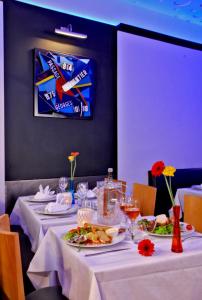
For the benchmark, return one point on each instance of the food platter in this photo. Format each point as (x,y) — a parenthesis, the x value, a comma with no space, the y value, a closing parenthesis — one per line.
(115,241)
(94,236)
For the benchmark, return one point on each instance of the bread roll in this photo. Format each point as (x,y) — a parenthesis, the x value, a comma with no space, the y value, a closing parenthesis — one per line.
(162,219)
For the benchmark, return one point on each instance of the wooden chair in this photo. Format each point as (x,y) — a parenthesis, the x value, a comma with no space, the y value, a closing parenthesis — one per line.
(4,222)
(11,279)
(147,197)
(193,211)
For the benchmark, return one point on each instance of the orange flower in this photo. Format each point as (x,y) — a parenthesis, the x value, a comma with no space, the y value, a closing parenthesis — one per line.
(74,154)
(146,247)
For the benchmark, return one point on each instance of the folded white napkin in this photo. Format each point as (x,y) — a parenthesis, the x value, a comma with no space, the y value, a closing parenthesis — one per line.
(56,207)
(91,194)
(44,193)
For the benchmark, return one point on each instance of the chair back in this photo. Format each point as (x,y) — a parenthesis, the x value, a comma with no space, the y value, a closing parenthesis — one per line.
(4,222)
(147,197)
(11,279)
(193,211)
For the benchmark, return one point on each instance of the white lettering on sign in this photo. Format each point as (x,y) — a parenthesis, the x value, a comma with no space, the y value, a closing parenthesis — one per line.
(69,84)
(49,95)
(53,69)
(59,106)
(67,67)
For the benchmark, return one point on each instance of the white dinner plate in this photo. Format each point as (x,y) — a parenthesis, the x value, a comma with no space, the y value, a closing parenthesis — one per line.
(68,211)
(117,239)
(41,200)
(184,231)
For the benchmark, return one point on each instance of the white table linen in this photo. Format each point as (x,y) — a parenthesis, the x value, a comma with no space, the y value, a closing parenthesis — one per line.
(118,275)
(179,197)
(33,224)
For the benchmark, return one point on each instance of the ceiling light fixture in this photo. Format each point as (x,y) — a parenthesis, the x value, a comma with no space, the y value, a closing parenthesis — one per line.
(67,31)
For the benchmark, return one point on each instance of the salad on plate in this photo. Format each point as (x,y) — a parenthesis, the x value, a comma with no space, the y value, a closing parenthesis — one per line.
(163,226)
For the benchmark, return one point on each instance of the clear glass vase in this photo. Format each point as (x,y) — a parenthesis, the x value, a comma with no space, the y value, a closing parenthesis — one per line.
(176,240)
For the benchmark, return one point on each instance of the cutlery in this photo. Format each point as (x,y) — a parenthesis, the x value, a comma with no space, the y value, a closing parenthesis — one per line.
(107,251)
(53,218)
(191,237)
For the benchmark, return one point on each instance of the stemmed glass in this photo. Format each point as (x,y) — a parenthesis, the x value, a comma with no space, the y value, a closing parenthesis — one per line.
(63,183)
(132,210)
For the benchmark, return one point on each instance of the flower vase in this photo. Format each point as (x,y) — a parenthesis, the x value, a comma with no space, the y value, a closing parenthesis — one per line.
(71,189)
(176,240)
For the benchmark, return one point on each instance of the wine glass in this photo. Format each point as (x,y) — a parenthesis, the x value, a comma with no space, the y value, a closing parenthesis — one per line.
(63,183)
(132,210)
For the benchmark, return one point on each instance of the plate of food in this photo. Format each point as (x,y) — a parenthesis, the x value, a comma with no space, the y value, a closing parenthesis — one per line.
(94,236)
(162,226)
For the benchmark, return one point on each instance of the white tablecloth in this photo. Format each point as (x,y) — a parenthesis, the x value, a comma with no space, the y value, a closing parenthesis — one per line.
(35,225)
(179,197)
(119,275)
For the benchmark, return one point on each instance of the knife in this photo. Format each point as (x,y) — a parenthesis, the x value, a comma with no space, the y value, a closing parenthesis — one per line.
(107,251)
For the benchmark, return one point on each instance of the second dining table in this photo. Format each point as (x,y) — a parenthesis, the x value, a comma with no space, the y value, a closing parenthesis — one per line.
(34,224)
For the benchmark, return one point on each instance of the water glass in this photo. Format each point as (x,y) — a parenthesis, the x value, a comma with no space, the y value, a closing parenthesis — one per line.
(84,215)
(81,191)
(63,183)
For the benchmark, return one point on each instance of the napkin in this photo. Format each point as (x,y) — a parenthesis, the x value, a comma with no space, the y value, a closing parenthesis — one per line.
(56,207)
(44,193)
(91,194)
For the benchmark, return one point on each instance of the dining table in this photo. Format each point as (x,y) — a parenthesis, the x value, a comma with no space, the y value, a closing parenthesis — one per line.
(120,271)
(30,215)
(193,190)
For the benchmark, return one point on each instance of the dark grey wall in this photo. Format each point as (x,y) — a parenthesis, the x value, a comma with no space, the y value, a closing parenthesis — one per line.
(38,147)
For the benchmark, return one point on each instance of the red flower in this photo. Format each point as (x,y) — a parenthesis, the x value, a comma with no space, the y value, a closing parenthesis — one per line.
(157,168)
(189,227)
(146,247)
(74,154)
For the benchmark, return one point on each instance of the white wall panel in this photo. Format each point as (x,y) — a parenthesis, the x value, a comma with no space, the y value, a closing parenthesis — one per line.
(159,106)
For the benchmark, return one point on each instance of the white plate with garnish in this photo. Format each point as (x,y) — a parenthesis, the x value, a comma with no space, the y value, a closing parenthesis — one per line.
(83,238)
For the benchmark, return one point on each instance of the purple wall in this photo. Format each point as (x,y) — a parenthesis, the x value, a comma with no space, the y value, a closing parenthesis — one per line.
(159,106)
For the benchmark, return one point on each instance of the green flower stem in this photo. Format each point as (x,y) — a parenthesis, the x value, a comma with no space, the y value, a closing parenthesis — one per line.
(170,191)
(71,170)
(74,167)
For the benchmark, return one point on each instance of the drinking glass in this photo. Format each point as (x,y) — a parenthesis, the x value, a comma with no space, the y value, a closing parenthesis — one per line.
(132,210)
(63,183)
(81,191)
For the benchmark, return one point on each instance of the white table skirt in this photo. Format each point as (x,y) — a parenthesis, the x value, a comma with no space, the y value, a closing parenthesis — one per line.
(34,225)
(179,197)
(119,275)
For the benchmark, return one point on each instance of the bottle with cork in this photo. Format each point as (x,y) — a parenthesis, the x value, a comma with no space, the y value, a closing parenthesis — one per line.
(109,194)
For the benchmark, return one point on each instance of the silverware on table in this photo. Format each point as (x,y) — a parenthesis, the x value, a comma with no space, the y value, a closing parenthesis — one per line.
(54,218)
(107,251)
(192,237)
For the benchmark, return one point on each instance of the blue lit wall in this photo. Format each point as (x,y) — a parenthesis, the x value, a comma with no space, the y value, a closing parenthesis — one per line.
(175,18)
